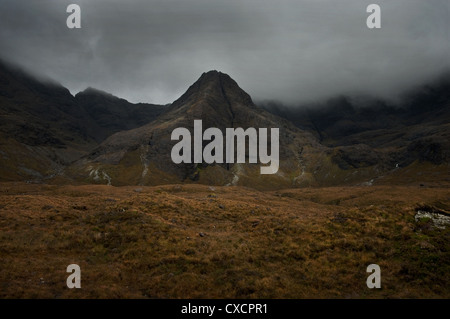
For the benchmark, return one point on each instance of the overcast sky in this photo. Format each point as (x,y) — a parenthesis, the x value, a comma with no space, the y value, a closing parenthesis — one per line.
(287,50)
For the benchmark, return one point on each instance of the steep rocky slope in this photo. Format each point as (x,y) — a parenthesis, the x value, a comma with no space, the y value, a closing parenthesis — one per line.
(43,128)
(143,155)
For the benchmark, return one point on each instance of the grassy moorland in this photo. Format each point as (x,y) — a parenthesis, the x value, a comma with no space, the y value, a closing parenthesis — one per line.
(193,241)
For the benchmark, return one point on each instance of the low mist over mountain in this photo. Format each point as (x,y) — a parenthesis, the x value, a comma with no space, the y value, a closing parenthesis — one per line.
(46,134)
(43,127)
(418,127)
(143,155)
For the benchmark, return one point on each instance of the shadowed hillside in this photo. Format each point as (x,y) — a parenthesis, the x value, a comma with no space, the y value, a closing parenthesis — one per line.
(43,128)
(49,135)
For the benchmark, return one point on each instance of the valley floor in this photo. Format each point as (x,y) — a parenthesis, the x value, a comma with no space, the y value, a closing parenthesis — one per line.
(194,241)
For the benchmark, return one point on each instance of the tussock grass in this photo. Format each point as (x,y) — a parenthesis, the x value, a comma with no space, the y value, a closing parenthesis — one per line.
(299,243)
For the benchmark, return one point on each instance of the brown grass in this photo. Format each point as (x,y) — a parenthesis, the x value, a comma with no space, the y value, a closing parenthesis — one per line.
(144,242)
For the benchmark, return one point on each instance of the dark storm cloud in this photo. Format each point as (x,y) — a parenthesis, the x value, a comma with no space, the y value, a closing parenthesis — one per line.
(292,51)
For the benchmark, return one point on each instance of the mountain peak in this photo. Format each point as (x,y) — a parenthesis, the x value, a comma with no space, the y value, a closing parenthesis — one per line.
(93,91)
(94,94)
(218,78)
(215,85)
(213,74)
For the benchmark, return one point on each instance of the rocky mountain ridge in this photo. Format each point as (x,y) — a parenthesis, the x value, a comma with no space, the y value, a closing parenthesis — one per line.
(48,135)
